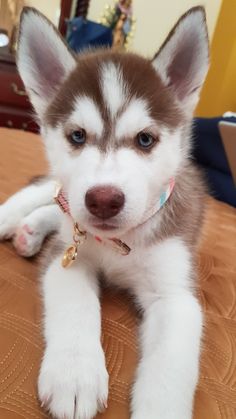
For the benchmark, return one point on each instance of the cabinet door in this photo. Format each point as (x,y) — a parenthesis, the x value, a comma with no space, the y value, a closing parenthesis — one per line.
(17,118)
(12,89)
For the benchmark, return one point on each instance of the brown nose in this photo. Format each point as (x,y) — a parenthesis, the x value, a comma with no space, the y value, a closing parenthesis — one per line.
(104,201)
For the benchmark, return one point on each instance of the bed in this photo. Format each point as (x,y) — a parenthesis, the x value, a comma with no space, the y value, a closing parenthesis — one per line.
(21,343)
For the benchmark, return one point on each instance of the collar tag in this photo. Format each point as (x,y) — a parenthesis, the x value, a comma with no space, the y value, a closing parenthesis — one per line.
(71,252)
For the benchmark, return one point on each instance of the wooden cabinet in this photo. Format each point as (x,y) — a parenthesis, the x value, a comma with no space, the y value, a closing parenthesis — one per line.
(15,108)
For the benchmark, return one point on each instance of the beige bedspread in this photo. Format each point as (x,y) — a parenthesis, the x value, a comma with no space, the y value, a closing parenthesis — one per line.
(21,344)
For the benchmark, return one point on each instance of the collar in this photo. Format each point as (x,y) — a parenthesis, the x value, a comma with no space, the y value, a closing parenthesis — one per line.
(160,202)
(80,235)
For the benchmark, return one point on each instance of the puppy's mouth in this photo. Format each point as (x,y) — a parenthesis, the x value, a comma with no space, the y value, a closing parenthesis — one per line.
(104,226)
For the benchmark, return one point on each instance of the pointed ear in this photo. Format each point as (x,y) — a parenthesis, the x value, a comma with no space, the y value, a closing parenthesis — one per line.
(43,59)
(182,61)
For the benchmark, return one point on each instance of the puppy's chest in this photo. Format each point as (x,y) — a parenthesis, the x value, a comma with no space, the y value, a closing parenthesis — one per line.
(125,271)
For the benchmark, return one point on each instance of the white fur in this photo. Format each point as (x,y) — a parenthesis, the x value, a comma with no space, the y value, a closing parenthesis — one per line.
(127,170)
(170,333)
(113,87)
(22,204)
(34,228)
(73,367)
(159,275)
(171,330)
(86,115)
(57,150)
(133,119)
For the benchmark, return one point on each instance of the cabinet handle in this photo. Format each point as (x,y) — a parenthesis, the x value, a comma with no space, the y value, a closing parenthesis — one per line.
(17,91)
(9,123)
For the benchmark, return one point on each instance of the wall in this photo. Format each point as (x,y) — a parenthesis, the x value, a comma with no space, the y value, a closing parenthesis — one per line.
(155,19)
(51,8)
(219,92)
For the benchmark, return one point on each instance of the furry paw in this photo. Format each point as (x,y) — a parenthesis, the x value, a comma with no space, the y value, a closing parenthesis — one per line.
(28,240)
(72,386)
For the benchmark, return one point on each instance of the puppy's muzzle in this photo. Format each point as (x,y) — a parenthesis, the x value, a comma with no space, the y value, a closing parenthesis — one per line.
(104,201)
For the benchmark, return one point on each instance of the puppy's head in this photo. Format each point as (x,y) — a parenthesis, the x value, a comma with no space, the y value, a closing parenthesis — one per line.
(114,124)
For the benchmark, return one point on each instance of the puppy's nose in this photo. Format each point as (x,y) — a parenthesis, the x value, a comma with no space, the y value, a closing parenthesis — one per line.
(104,201)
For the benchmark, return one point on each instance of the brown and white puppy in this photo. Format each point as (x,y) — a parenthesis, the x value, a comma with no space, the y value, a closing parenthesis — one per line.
(116,129)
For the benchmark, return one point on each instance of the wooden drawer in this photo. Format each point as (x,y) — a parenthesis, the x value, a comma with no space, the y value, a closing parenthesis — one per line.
(12,117)
(12,90)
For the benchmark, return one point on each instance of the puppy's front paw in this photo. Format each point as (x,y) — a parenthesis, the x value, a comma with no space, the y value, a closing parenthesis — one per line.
(28,239)
(74,385)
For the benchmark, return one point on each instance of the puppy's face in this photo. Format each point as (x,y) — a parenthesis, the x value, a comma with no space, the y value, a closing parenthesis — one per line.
(113,138)
(113,123)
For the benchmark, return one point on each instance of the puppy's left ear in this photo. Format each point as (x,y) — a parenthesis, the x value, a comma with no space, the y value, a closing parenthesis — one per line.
(44,60)
(182,61)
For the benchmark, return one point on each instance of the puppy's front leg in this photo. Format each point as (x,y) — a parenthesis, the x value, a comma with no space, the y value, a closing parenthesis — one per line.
(170,341)
(73,381)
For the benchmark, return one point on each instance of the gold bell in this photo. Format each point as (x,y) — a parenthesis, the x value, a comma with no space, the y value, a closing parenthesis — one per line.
(69,256)
(71,253)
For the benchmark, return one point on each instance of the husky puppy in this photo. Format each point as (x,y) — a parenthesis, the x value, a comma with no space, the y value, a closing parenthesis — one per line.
(117,133)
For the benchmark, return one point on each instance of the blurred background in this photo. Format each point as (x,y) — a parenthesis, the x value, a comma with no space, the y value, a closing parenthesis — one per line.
(140,26)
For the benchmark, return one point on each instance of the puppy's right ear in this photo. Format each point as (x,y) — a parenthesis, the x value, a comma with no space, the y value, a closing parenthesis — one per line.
(44,60)
(182,61)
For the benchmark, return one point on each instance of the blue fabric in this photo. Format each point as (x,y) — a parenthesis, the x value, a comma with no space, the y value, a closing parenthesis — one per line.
(208,152)
(220,185)
(82,34)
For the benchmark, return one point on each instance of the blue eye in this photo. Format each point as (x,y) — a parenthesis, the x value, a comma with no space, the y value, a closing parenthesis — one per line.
(145,140)
(77,137)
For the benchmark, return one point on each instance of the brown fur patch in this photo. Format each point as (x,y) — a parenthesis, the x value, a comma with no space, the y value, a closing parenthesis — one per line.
(132,143)
(183,213)
(142,82)
(38,179)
